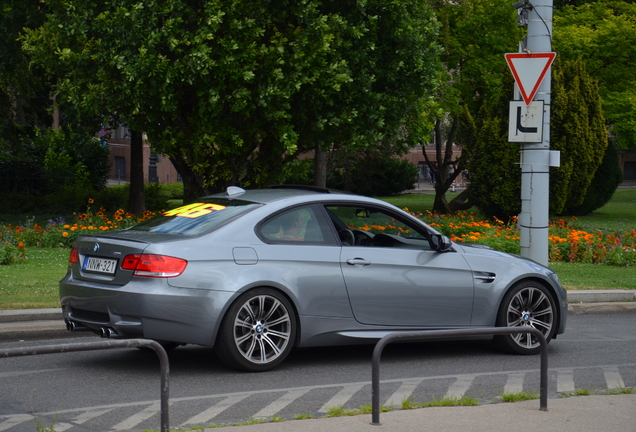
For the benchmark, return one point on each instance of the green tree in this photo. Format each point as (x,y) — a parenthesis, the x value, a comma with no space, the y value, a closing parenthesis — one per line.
(603,34)
(474,35)
(230,90)
(24,91)
(577,130)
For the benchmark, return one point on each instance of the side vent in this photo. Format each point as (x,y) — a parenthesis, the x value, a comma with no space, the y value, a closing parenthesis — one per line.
(484,277)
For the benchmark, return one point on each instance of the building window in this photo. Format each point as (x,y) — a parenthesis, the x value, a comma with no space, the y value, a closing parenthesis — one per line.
(120,168)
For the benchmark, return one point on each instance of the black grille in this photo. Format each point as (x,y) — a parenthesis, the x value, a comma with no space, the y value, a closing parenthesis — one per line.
(82,314)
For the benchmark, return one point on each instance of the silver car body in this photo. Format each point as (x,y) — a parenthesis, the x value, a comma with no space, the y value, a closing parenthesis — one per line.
(341,294)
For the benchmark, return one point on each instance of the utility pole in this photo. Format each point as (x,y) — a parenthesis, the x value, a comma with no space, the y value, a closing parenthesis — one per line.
(536,157)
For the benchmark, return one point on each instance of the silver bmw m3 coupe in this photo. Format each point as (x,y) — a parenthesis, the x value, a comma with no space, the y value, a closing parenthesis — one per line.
(254,273)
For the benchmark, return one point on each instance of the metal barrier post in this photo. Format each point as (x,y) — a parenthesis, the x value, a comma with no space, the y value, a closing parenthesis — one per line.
(107,344)
(447,334)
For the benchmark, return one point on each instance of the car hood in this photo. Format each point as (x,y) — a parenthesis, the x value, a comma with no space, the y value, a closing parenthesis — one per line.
(477,254)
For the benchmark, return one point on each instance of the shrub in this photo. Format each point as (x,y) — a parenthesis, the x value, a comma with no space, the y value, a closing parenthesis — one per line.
(366,175)
(382,176)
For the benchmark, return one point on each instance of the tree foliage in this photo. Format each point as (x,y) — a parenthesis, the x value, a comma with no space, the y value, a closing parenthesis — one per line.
(24,90)
(603,34)
(232,90)
(577,130)
(474,35)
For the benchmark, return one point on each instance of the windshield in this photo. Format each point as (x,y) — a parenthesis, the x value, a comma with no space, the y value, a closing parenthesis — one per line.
(197,218)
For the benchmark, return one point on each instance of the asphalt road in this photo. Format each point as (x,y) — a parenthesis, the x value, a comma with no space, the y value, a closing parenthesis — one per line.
(119,389)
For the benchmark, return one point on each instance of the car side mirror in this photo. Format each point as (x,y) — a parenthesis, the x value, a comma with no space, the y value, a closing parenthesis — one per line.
(441,243)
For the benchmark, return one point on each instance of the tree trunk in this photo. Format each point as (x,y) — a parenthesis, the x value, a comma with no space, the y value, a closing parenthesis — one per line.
(192,183)
(136,199)
(320,168)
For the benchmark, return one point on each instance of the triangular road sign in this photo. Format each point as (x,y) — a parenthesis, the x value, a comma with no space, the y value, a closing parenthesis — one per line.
(529,70)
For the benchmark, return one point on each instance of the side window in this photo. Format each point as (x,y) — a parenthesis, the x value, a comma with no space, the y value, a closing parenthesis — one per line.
(296,225)
(375,227)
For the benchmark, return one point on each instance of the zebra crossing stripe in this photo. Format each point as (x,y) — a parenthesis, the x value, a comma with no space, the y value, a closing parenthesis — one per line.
(216,409)
(273,408)
(404,392)
(514,384)
(81,419)
(459,387)
(341,397)
(14,421)
(134,420)
(613,377)
(565,381)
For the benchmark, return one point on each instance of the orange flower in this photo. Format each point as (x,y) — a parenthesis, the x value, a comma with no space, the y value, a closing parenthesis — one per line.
(21,245)
(64,234)
(91,200)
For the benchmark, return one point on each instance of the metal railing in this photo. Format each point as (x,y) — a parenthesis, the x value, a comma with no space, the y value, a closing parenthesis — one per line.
(447,334)
(107,344)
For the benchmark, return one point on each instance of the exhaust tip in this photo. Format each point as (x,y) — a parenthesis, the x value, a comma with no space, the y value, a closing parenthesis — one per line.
(107,332)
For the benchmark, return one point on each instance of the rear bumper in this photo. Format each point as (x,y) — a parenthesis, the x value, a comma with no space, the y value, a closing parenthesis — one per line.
(149,309)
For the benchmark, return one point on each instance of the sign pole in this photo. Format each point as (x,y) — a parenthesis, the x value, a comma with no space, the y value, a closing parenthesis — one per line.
(535,157)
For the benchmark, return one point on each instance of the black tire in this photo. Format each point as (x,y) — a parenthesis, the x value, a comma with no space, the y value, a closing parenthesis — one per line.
(526,304)
(257,332)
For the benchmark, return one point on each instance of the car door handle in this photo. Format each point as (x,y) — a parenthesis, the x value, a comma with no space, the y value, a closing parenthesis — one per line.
(358,262)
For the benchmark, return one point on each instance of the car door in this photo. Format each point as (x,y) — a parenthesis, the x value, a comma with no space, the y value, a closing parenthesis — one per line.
(394,277)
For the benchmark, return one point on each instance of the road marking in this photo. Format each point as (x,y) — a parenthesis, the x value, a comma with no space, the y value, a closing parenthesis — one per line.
(19,373)
(514,383)
(341,397)
(565,381)
(459,387)
(215,410)
(282,402)
(81,419)
(462,383)
(403,393)
(134,420)
(613,378)
(15,420)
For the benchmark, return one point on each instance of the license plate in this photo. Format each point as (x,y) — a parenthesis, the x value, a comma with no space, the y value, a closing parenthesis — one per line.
(100,265)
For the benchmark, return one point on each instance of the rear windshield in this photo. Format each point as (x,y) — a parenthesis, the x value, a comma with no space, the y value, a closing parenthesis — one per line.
(197,218)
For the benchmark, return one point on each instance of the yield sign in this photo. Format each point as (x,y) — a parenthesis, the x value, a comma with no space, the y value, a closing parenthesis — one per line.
(529,70)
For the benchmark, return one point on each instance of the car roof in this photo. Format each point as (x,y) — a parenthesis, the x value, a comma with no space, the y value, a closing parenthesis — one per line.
(277,193)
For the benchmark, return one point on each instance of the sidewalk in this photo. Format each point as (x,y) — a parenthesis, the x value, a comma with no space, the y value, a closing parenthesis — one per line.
(613,413)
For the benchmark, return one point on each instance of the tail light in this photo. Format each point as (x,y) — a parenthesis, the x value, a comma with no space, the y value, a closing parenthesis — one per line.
(73,258)
(149,265)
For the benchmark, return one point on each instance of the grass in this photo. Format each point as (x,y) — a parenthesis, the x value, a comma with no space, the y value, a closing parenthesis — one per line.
(579,392)
(33,283)
(518,397)
(577,276)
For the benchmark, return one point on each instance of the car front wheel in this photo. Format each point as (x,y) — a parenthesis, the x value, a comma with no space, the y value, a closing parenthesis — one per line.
(257,332)
(527,304)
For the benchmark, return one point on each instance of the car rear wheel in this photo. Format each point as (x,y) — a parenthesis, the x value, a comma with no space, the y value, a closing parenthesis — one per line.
(526,304)
(257,332)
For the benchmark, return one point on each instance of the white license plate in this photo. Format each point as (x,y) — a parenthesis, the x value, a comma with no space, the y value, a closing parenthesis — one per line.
(100,265)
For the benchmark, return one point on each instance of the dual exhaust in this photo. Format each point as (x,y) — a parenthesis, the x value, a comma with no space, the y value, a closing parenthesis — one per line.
(104,332)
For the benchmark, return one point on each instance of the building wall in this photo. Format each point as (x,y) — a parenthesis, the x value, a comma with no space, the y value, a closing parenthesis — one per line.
(120,163)
(628,166)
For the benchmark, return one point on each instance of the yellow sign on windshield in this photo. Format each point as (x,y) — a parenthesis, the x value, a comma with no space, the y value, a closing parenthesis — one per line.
(194,210)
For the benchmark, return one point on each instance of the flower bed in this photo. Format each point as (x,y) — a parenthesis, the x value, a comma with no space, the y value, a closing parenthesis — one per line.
(59,233)
(567,242)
